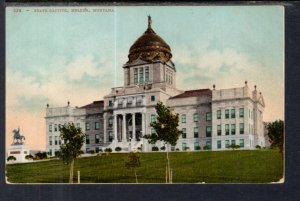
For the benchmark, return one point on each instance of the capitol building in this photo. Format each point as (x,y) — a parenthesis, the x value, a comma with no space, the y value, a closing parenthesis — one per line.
(209,118)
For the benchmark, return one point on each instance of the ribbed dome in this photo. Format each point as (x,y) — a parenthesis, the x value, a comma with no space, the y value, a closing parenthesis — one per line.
(150,47)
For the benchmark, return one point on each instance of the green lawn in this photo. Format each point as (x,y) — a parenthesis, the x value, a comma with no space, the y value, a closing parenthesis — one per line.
(258,166)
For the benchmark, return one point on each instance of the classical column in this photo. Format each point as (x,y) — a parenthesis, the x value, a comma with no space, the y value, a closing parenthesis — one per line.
(115,128)
(124,128)
(133,126)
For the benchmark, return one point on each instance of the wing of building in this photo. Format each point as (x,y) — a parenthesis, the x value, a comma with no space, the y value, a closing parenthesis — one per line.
(209,119)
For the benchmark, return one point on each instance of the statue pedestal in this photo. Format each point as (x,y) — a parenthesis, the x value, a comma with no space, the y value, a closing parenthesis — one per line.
(19,151)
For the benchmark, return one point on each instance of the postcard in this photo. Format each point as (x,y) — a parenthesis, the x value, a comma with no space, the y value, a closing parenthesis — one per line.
(147,94)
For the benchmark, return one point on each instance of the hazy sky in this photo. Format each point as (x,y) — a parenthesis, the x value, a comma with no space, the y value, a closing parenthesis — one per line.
(55,57)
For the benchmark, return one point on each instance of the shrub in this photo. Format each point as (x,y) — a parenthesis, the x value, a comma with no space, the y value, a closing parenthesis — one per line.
(118,149)
(258,147)
(177,149)
(108,150)
(41,155)
(57,153)
(29,157)
(163,148)
(92,151)
(155,148)
(186,149)
(139,149)
(11,158)
(206,147)
(197,148)
(233,146)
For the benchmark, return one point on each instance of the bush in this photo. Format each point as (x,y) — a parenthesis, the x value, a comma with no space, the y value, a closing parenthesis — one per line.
(206,147)
(11,158)
(197,148)
(163,148)
(177,149)
(108,150)
(233,146)
(29,157)
(41,155)
(186,149)
(57,153)
(118,149)
(99,150)
(258,147)
(139,149)
(155,148)
(92,151)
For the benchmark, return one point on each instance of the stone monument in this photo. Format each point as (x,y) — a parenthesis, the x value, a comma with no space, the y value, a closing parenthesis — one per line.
(18,149)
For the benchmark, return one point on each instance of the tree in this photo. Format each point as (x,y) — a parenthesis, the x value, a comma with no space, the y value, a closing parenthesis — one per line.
(133,163)
(73,139)
(275,133)
(166,131)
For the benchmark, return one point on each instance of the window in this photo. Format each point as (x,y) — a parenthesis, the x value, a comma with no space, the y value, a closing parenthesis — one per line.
(183,146)
(59,140)
(226,143)
(146,74)
(219,144)
(183,118)
(208,131)
(110,122)
(110,103)
(241,112)
(97,125)
(196,117)
(153,118)
(233,142)
(152,98)
(77,125)
(87,139)
(196,146)
(241,128)
(208,116)
(219,114)
(110,136)
(50,128)
(141,75)
(232,113)
(87,126)
(183,132)
(55,140)
(208,144)
(97,138)
(232,129)
(50,140)
(59,127)
(226,114)
(152,131)
(241,143)
(196,132)
(55,127)
(219,130)
(227,129)
(135,76)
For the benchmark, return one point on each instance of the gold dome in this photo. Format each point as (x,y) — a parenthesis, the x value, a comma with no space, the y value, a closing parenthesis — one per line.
(150,47)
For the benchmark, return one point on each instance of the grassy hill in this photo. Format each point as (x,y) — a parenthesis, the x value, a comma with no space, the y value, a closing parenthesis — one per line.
(257,166)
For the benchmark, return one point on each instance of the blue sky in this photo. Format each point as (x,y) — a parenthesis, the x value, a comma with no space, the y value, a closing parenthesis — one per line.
(58,57)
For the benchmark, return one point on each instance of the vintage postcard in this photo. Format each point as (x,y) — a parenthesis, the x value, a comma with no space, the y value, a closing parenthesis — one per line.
(147,94)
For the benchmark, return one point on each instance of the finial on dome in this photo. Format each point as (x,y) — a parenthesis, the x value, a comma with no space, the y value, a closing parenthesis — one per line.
(214,86)
(255,87)
(246,82)
(149,21)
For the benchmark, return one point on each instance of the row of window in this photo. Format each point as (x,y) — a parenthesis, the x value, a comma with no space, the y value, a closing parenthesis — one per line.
(196,132)
(57,140)
(227,143)
(97,139)
(196,117)
(169,77)
(230,129)
(230,113)
(141,75)
(87,126)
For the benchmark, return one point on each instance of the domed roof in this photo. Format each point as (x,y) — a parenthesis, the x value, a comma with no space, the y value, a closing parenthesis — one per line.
(150,47)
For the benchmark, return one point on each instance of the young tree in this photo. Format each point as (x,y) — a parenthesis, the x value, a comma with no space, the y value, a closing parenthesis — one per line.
(133,163)
(275,133)
(73,139)
(166,130)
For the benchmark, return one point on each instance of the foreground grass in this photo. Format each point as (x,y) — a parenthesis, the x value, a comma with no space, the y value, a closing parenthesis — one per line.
(257,166)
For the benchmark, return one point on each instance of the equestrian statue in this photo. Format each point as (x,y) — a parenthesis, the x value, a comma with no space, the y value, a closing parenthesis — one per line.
(18,138)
